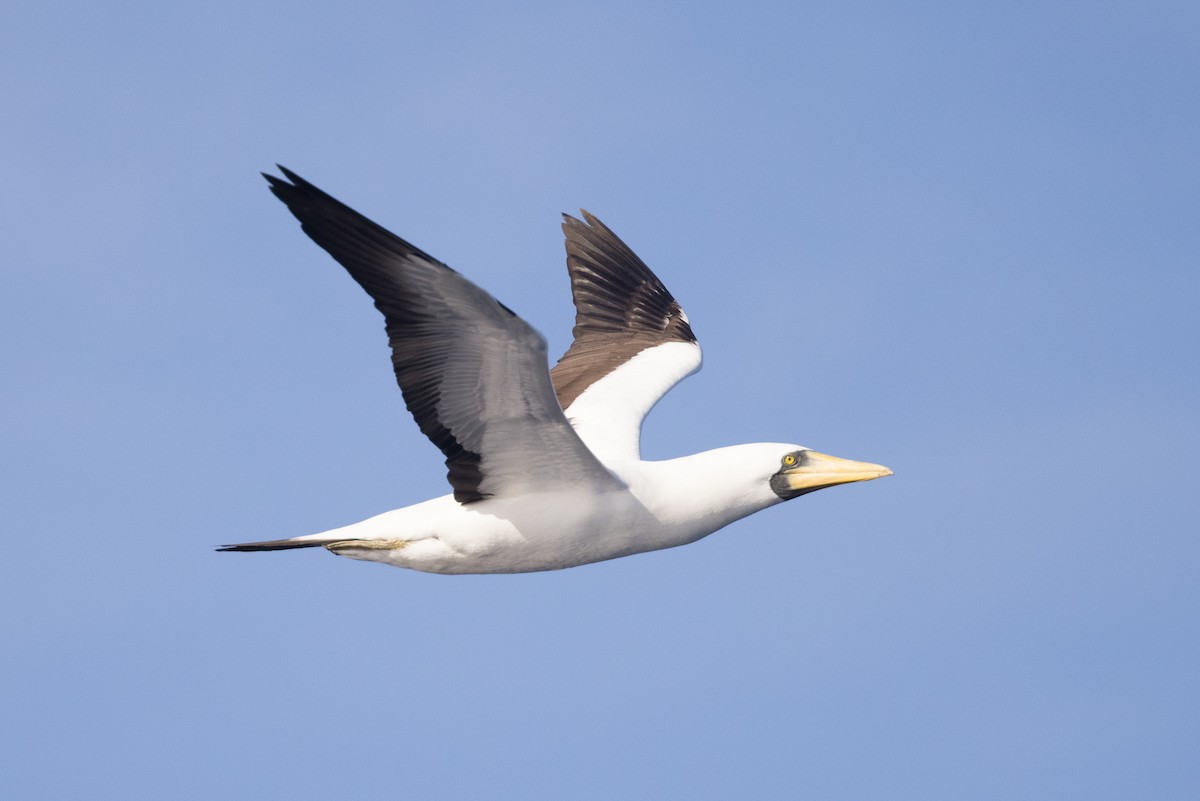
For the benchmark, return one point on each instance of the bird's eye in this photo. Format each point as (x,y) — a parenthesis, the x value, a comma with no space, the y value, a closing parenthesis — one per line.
(790,459)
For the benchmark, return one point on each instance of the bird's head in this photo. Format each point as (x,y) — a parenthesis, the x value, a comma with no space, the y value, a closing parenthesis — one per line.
(802,470)
(711,489)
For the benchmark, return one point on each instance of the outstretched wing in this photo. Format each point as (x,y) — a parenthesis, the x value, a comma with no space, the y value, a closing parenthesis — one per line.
(473,373)
(632,341)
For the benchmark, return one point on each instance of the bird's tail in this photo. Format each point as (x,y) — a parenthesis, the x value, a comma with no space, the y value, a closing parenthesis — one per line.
(276,545)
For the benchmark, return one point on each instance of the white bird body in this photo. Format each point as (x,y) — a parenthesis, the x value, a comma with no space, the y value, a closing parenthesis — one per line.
(665,504)
(545,464)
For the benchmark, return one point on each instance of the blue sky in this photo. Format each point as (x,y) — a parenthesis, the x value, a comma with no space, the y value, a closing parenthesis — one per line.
(958,240)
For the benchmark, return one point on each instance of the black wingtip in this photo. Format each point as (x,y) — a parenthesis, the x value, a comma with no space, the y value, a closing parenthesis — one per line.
(279,187)
(297,184)
(293,177)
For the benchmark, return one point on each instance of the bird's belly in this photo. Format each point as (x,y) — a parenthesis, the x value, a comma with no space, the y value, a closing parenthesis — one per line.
(528,534)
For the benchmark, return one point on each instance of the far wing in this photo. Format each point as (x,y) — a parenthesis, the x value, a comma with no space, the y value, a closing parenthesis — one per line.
(473,373)
(632,341)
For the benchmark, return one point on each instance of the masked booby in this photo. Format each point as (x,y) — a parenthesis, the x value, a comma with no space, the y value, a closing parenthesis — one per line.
(545,465)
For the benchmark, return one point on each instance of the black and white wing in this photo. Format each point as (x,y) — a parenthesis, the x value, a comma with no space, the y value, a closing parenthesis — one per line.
(474,374)
(632,341)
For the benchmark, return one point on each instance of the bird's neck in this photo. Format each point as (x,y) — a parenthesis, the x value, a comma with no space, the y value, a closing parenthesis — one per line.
(705,491)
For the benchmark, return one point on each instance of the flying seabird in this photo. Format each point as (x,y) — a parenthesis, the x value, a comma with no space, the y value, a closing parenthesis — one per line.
(545,465)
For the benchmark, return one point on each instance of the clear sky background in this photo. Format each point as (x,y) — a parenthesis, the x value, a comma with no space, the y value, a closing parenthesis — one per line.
(959,239)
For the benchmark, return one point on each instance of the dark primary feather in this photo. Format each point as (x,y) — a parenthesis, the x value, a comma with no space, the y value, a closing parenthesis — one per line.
(473,374)
(621,307)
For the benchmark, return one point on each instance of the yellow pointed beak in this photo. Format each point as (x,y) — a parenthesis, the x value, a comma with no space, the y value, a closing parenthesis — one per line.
(815,471)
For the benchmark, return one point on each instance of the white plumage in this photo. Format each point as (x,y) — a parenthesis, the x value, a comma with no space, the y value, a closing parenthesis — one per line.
(537,488)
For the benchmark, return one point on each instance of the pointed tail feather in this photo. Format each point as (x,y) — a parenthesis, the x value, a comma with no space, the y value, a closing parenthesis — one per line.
(275,545)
